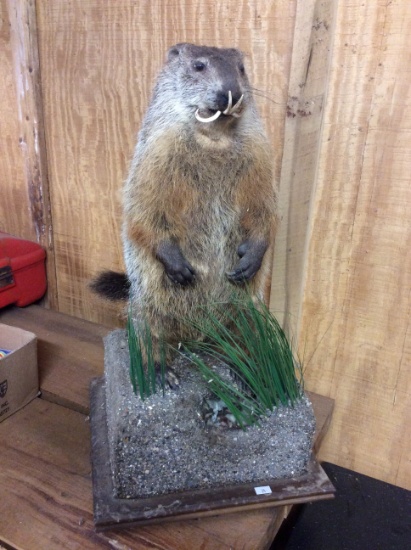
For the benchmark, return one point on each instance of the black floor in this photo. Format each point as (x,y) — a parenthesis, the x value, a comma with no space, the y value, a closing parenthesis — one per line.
(366,514)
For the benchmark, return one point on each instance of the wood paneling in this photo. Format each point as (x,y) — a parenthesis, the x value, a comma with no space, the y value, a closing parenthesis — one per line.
(14,193)
(25,206)
(99,62)
(357,300)
(308,86)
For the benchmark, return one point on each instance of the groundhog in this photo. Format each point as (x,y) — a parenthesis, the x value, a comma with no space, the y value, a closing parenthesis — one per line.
(200,200)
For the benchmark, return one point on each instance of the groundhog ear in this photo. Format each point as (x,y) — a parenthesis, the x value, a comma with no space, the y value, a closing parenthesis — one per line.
(236,54)
(175,51)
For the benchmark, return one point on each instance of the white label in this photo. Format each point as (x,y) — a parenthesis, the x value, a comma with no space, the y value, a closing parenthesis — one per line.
(266,490)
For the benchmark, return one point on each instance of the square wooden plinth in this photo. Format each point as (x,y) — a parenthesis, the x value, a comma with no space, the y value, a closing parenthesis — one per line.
(111,512)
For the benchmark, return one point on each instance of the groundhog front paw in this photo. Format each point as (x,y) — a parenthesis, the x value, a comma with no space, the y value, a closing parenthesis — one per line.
(251,253)
(177,268)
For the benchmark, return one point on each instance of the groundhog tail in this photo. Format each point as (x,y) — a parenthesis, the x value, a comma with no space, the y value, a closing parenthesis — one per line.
(111,285)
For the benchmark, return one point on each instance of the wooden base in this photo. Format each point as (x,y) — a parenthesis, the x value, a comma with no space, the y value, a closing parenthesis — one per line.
(111,512)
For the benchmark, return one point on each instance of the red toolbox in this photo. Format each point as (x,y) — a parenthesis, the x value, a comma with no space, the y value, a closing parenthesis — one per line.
(22,271)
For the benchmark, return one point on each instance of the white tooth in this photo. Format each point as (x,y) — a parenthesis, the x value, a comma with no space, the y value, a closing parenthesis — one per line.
(230,102)
(237,105)
(209,119)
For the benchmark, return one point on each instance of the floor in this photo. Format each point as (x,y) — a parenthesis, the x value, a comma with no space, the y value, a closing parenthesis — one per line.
(366,514)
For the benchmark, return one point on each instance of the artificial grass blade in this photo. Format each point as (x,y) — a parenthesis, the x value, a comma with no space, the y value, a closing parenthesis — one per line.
(143,367)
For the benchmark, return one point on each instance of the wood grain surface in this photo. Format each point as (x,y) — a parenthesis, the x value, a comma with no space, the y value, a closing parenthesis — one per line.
(357,297)
(13,183)
(33,187)
(308,88)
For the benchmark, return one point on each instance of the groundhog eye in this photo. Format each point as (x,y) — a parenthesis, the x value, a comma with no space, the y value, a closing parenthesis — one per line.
(198,66)
(241,68)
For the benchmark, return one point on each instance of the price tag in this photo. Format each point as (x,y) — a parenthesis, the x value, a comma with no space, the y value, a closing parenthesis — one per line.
(266,490)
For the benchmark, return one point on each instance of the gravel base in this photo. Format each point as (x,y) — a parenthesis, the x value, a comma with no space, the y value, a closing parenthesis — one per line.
(162,445)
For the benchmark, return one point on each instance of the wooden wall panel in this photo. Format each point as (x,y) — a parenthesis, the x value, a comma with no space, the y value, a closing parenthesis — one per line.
(24,207)
(308,87)
(99,61)
(12,176)
(357,297)
(15,216)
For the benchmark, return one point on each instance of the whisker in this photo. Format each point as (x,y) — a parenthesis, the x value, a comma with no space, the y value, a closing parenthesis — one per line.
(265,95)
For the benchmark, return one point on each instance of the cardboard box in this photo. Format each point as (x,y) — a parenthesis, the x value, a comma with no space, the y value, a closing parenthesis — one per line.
(19,382)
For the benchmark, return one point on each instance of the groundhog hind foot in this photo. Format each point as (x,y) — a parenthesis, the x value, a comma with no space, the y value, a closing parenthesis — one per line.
(169,377)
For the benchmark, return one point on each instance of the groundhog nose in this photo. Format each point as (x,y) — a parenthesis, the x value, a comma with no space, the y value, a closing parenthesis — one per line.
(222,99)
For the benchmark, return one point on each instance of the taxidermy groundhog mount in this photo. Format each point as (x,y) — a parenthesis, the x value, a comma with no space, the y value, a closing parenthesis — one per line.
(199,201)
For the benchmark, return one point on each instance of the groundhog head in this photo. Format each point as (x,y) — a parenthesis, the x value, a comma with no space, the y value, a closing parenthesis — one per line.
(209,83)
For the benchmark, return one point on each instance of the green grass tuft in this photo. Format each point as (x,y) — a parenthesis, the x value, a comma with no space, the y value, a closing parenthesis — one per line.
(144,373)
(247,337)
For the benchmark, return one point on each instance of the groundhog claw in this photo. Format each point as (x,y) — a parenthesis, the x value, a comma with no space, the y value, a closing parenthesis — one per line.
(180,274)
(242,274)
(184,277)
